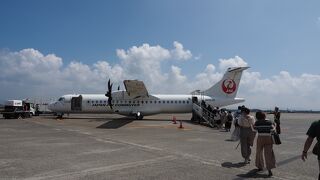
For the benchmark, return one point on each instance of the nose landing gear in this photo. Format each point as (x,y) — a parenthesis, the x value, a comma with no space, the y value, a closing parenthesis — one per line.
(139,116)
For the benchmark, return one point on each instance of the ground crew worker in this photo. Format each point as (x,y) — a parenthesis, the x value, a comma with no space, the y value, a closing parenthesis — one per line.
(264,143)
(314,131)
(276,114)
(246,122)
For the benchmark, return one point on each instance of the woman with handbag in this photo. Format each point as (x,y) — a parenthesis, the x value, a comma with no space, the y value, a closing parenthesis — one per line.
(264,128)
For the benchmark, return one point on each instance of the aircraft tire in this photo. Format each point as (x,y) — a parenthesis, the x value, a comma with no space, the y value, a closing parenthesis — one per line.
(139,117)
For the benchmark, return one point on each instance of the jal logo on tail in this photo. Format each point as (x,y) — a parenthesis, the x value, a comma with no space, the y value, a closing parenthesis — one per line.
(229,86)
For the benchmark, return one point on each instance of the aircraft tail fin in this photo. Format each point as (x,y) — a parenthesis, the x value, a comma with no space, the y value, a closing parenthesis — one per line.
(228,86)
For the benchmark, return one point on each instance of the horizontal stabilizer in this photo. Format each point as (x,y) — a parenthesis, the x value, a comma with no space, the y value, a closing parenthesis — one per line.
(135,88)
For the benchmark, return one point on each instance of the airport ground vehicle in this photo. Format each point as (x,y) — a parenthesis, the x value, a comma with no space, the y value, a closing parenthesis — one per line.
(17,109)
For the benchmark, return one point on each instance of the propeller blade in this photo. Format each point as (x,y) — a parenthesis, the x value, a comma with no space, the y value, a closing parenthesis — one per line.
(110,102)
(109,93)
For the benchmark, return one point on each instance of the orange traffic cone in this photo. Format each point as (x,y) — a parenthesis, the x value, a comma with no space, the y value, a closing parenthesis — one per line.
(181,127)
(174,120)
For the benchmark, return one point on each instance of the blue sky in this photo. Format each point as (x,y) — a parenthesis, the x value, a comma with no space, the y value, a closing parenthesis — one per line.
(270,36)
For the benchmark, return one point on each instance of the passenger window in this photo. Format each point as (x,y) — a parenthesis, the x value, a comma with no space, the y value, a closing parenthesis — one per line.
(105,101)
(141,102)
(187,102)
(172,102)
(92,102)
(129,102)
(97,102)
(179,102)
(183,102)
(159,102)
(155,102)
(101,102)
(146,102)
(150,102)
(164,102)
(168,102)
(176,102)
(88,102)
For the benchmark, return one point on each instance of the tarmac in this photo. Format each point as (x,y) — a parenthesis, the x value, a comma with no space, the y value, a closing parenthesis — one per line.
(108,146)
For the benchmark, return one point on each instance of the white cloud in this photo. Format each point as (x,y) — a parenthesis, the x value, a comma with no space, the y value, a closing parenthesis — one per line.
(282,90)
(179,52)
(198,57)
(232,62)
(143,62)
(29,73)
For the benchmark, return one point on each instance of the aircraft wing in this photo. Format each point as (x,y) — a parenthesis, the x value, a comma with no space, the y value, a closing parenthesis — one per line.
(135,88)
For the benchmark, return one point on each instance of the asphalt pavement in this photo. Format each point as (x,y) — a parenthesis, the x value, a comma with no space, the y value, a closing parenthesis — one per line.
(106,146)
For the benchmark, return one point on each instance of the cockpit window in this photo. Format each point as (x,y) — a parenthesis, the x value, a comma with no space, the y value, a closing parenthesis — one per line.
(61,99)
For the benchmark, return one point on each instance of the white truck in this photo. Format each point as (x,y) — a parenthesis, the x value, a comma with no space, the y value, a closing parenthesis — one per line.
(17,109)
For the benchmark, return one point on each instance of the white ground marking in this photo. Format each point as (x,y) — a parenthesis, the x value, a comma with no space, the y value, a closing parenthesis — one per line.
(105,168)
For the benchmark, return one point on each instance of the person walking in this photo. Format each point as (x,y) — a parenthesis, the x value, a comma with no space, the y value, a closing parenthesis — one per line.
(313,131)
(217,118)
(277,114)
(264,128)
(223,116)
(228,121)
(235,136)
(246,122)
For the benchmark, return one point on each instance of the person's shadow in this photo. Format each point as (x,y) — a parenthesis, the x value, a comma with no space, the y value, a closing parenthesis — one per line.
(233,165)
(251,174)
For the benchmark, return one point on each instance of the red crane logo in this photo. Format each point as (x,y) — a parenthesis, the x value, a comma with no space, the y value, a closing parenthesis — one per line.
(229,86)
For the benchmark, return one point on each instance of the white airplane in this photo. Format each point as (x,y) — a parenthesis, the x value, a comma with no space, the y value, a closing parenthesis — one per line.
(136,101)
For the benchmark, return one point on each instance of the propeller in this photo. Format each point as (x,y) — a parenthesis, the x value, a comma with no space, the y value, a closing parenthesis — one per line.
(108,94)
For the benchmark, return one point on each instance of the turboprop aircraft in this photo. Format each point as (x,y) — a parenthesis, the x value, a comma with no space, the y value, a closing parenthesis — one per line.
(136,100)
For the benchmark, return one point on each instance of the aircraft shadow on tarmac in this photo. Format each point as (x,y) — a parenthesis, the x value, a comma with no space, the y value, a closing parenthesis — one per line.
(120,122)
(115,123)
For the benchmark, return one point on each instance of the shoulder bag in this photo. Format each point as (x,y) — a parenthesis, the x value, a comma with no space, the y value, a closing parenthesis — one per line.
(275,138)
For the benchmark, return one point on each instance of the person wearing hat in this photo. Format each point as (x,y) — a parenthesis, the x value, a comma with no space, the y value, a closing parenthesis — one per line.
(246,122)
